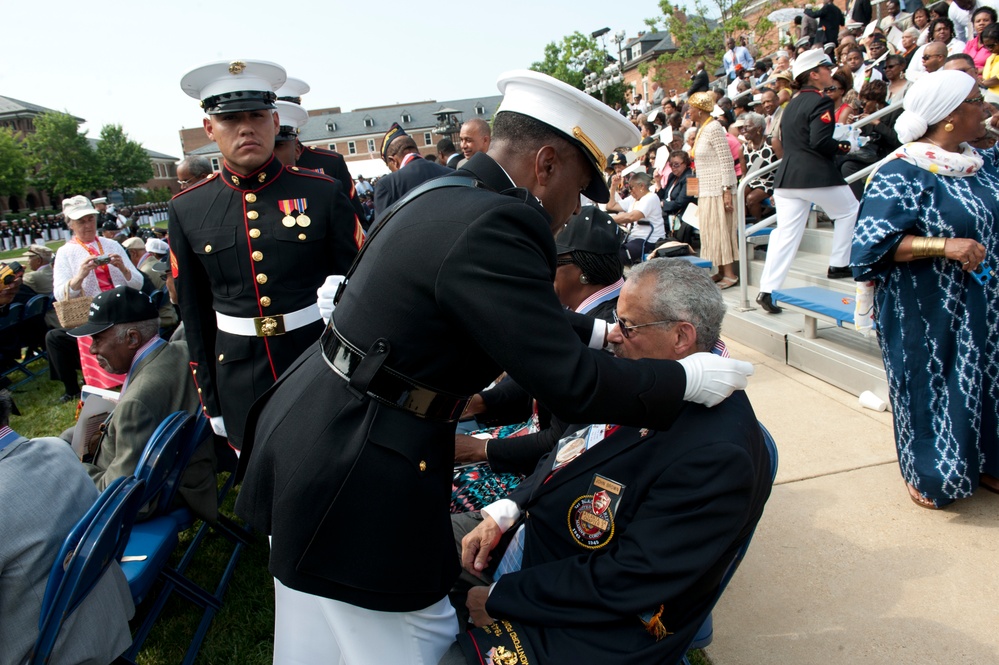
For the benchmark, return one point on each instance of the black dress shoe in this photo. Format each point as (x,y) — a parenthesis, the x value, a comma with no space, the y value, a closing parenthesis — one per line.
(766,302)
(839,273)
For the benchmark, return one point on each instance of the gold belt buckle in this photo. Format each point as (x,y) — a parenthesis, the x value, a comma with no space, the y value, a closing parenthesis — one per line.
(269,326)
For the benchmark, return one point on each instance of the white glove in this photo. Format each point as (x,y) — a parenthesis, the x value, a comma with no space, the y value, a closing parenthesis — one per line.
(218,425)
(711,378)
(326,293)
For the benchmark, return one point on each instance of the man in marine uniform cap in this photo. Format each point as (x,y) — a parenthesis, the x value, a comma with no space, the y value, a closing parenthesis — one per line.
(251,244)
(453,289)
(317,159)
(291,118)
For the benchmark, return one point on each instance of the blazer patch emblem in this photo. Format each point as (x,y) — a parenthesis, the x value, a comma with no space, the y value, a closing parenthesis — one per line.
(591,516)
(826,117)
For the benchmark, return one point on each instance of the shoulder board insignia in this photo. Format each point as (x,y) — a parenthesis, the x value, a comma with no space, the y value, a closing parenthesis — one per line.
(826,117)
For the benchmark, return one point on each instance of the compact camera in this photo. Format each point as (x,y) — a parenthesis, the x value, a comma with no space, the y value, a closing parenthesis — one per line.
(102,260)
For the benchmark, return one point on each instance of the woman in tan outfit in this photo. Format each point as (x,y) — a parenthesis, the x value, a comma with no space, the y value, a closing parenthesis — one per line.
(715,172)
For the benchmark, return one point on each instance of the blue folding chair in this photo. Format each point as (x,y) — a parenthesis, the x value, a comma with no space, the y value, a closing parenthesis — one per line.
(156,538)
(705,634)
(96,541)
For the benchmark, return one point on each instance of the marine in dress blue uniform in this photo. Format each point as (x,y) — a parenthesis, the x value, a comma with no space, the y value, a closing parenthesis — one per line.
(249,248)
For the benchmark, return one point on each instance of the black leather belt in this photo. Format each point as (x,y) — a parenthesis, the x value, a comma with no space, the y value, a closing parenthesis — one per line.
(365,374)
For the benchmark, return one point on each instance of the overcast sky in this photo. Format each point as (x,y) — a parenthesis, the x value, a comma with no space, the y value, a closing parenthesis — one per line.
(118,62)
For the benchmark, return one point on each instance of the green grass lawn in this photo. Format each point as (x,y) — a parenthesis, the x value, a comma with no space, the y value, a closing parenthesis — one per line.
(241,633)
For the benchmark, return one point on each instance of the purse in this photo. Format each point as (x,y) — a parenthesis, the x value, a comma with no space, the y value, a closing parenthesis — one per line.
(73,312)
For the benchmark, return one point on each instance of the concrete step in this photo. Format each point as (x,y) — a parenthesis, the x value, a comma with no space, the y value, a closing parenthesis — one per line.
(841,357)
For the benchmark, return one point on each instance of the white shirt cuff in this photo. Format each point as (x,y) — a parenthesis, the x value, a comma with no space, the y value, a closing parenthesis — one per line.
(504,512)
(599,334)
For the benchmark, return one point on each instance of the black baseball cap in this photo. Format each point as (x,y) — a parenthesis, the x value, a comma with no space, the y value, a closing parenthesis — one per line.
(122,304)
(592,230)
(109,226)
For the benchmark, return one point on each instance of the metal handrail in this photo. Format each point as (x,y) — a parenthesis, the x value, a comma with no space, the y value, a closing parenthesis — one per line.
(740,207)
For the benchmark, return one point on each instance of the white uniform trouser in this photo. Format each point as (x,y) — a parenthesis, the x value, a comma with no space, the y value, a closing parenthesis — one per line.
(793,206)
(312,630)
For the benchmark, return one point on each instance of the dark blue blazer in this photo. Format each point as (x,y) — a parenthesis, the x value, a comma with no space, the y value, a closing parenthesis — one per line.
(394,186)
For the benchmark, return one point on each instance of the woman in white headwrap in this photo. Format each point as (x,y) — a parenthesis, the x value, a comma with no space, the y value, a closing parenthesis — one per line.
(928,220)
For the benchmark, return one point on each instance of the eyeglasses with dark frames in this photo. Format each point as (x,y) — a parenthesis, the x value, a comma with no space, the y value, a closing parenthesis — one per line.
(626,327)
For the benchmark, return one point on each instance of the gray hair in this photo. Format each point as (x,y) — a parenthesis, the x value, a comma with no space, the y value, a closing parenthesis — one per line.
(683,292)
(147,329)
(198,167)
(754,119)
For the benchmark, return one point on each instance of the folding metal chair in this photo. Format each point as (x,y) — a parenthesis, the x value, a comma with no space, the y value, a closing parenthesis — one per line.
(95,543)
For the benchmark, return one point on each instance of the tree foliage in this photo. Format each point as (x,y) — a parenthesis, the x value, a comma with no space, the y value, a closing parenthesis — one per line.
(13,165)
(65,162)
(573,58)
(703,31)
(123,163)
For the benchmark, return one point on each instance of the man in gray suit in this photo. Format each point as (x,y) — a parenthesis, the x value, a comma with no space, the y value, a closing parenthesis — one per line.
(124,326)
(44,491)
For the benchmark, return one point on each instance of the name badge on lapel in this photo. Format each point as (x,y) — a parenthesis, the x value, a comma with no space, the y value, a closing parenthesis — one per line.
(591,516)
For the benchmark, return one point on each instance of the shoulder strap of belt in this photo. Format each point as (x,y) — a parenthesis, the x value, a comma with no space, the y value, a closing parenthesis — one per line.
(429,186)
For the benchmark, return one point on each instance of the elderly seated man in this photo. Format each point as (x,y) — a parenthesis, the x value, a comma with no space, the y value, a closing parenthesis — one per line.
(624,533)
(124,326)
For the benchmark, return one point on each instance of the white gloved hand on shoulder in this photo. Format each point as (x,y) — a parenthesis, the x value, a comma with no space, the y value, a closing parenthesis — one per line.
(711,378)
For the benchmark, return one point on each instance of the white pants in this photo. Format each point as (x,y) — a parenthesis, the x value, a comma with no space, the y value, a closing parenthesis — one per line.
(312,630)
(793,206)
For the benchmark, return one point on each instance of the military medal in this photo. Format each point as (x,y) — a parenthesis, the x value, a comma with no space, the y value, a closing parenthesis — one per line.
(290,206)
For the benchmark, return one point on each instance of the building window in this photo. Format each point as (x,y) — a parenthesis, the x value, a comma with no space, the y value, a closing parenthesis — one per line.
(407,118)
(333,147)
(351,148)
(330,126)
(636,51)
(480,109)
(368,122)
(215,164)
(371,145)
(427,139)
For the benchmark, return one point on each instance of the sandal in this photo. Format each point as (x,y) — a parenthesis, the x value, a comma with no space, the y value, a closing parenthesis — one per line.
(717,277)
(919,499)
(728,283)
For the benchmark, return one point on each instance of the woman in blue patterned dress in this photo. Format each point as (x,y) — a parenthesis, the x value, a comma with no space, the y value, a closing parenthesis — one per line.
(928,219)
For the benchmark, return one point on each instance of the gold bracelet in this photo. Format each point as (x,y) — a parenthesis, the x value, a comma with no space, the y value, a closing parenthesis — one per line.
(923,247)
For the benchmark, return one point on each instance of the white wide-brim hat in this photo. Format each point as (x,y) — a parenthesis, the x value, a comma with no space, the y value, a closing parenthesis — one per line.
(591,125)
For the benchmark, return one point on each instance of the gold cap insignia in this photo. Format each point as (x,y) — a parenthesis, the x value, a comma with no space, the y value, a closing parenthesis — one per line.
(235,180)
(590,146)
(236,67)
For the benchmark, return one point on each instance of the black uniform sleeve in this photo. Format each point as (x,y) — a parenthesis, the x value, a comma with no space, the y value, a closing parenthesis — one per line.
(342,175)
(347,236)
(196,311)
(521,325)
(821,124)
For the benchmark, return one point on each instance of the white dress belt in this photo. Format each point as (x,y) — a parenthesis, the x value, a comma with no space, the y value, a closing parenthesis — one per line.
(267,326)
